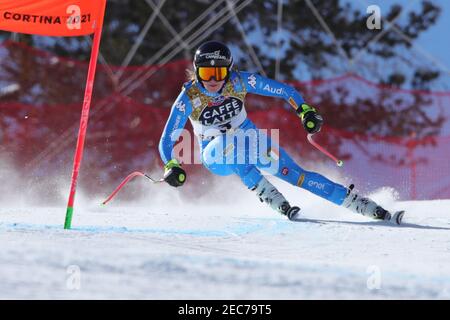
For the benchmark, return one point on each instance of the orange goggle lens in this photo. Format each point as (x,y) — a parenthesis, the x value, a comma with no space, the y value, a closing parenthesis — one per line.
(207,73)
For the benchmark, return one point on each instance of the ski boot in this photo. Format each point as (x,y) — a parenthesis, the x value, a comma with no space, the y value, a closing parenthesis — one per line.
(369,208)
(269,194)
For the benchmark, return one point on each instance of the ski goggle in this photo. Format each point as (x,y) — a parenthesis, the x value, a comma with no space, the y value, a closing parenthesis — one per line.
(207,73)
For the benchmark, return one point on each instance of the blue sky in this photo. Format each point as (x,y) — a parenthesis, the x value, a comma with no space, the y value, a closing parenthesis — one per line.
(436,40)
(433,46)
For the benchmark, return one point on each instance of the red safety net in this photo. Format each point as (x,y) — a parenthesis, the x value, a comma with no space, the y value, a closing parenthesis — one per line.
(386,136)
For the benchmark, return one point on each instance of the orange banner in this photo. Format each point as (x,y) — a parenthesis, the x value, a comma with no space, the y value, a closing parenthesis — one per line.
(51,17)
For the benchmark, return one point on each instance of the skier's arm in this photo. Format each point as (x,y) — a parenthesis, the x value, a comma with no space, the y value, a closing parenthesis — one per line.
(263,86)
(181,109)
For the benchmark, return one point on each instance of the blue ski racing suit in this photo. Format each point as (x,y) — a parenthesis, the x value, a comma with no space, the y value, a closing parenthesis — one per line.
(220,119)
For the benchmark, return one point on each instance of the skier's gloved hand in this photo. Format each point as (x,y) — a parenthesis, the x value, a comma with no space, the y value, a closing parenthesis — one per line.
(312,121)
(174,174)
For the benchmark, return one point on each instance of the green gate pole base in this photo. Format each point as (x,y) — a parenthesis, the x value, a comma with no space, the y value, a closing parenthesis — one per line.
(68,221)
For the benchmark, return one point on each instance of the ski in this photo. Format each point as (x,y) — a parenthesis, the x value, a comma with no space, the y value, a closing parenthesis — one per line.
(397,217)
(293,213)
(393,218)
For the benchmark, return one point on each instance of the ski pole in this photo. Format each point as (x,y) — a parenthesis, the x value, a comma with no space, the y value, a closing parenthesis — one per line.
(126,180)
(339,163)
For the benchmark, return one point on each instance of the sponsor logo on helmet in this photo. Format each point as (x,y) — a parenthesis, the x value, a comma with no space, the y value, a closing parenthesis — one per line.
(252,81)
(224,111)
(273,90)
(213,55)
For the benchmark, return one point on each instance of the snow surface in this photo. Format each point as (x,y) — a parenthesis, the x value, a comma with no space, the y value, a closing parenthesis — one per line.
(167,247)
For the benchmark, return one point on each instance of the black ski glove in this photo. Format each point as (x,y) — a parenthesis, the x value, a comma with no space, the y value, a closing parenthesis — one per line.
(174,174)
(312,121)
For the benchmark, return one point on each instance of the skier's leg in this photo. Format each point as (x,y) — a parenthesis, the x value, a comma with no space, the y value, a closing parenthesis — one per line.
(221,156)
(276,161)
(288,170)
(285,168)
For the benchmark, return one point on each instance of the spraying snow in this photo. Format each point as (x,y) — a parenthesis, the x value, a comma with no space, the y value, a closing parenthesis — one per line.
(167,245)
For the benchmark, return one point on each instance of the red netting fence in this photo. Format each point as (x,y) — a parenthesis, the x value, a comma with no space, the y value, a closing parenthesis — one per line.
(386,136)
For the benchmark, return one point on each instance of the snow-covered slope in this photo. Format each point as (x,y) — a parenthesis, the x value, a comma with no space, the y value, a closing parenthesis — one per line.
(166,247)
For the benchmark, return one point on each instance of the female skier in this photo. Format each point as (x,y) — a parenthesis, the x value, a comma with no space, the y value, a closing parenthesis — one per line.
(214,103)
